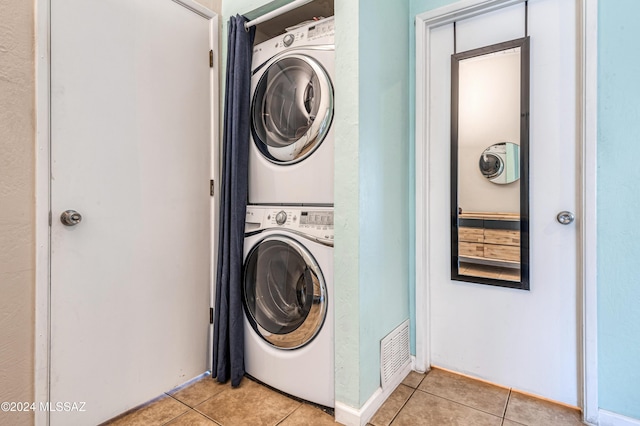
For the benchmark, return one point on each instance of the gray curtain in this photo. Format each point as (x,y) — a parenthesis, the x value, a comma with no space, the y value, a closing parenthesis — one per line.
(228,336)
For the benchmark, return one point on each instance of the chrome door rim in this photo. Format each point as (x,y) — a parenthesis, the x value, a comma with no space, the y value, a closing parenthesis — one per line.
(315,317)
(306,143)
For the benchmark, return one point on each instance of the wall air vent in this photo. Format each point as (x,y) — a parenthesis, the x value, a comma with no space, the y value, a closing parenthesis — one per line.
(394,353)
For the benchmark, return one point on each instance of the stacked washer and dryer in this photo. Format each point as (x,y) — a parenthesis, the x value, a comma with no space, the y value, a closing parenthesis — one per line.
(288,246)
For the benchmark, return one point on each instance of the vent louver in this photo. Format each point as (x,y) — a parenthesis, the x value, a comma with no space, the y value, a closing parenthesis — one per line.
(394,353)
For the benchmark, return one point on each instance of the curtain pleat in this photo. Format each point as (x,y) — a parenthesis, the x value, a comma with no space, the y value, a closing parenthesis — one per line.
(228,336)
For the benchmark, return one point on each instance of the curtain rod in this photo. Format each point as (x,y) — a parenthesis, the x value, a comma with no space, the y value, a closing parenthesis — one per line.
(277,12)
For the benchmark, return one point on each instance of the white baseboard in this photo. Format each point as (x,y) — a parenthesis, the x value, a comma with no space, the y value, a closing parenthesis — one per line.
(350,416)
(607,418)
(413,365)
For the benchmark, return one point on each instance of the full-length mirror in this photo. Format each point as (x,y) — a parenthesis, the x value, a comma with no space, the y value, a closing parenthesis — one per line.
(489,165)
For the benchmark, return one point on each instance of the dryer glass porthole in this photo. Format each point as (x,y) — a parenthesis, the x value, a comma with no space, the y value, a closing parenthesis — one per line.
(292,109)
(491,166)
(285,295)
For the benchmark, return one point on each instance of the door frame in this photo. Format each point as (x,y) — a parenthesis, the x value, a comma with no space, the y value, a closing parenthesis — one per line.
(42,305)
(586,93)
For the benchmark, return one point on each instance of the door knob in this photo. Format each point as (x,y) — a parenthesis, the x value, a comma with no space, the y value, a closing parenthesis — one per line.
(70,218)
(565,217)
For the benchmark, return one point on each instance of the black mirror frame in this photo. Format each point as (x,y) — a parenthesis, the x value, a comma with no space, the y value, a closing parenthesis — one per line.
(523,43)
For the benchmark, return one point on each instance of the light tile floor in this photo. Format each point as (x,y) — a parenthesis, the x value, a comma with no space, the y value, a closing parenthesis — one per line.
(207,402)
(437,398)
(444,398)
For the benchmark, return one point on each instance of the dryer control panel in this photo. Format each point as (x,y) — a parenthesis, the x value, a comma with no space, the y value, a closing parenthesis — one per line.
(314,33)
(312,222)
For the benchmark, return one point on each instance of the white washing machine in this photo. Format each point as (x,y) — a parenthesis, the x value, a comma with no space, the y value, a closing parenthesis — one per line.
(291,153)
(288,300)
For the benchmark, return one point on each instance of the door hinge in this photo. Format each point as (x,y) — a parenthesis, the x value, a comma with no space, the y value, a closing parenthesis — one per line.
(212,187)
(50,218)
(211,59)
(210,315)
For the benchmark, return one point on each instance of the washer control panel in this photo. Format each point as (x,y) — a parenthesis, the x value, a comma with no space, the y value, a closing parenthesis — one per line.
(313,222)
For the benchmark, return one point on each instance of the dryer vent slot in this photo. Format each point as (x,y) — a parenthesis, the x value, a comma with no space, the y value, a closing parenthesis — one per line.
(394,354)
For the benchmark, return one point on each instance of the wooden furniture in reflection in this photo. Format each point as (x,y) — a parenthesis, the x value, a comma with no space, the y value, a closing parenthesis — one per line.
(489,238)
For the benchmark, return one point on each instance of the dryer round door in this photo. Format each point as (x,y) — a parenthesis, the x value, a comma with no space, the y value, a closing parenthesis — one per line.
(284,292)
(292,109)
(491,165)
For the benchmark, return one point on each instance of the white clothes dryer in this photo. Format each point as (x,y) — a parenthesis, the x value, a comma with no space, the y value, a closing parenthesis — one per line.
(288,300)
(291,154)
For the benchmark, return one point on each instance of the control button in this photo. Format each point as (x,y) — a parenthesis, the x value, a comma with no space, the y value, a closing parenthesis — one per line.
(288,39)
(281,218)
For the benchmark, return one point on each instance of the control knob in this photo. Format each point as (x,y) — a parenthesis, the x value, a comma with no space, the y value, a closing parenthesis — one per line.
(288,39)
(281,218)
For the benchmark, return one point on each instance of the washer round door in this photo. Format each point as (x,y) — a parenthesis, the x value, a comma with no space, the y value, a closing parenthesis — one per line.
(292,109)
(284,292)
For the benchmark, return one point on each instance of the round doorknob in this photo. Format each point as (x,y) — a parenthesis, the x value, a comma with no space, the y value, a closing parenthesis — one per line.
(70,218)
(565,217)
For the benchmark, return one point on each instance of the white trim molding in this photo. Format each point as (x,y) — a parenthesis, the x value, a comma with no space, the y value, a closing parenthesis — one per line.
(587,68)
(422,246)
(42,206)
(350,416)
(589,231)
(607,418)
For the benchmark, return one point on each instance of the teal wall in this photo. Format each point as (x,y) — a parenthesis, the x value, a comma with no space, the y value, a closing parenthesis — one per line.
(372,156)
(618,202)
(347,204)
(384,187)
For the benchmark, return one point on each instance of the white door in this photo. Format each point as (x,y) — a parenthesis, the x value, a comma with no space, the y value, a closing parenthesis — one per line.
(131,143)
(527,340)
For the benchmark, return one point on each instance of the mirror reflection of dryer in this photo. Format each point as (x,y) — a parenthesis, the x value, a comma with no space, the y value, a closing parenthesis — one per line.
(500,163)
(291,157)
(288,300)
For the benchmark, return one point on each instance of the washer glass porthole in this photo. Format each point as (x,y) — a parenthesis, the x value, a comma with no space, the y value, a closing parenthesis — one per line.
(284,293)
(292,109)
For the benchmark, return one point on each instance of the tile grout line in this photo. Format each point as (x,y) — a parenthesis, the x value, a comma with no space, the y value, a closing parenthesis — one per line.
(289,414)
(404,404)
(407,400)
(206,415)
(459,403)
(181,414)
(198,411)
(199,403)
(504,412)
